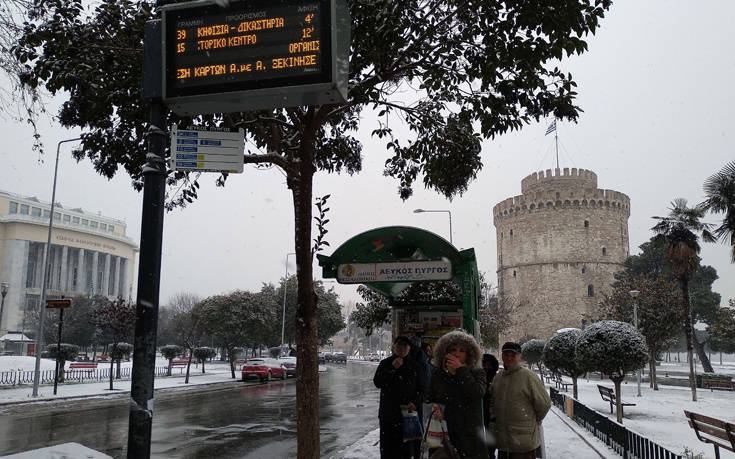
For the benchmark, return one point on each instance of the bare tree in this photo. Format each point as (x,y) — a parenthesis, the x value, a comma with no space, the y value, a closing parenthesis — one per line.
(185,321)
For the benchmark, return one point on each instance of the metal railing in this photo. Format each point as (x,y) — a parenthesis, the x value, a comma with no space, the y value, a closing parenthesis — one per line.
(621,440)
(21,377)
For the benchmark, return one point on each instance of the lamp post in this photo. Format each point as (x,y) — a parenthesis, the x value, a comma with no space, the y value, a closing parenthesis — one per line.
(4,291)
(285,289)
(44,273)
(420,211)
(634,294)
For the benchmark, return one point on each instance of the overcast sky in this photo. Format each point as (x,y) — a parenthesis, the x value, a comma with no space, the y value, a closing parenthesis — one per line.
(656,87)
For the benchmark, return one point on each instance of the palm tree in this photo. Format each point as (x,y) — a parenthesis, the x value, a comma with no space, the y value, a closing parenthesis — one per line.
(720,192)
(679,230)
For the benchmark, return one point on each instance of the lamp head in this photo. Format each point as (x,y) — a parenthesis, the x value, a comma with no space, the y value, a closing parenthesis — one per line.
(4,288)
(418,211)
(634,293)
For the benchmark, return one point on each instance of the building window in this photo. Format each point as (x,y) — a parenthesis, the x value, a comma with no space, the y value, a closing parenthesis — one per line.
(57,216)
(75,220)
(35,211)
(32,302)
(74,277)
(13,207)
(85,222)
(604,251)
(67,218)
(590,290)
(103,226)
(24,209)
(93,224)
(111,228)
(586,223)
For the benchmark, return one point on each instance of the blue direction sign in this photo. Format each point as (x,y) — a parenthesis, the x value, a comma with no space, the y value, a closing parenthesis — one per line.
(207,149)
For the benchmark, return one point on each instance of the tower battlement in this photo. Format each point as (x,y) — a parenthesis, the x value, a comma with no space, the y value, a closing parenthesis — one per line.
(559,178)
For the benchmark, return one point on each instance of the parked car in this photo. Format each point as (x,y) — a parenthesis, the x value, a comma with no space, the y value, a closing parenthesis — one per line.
(373,358)
(322,358)
(289,363)
(339,357)
(265,369)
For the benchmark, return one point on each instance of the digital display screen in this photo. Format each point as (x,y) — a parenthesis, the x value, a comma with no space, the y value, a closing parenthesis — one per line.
(248,45)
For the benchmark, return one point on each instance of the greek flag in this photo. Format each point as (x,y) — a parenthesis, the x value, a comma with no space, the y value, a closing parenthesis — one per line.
(551,128)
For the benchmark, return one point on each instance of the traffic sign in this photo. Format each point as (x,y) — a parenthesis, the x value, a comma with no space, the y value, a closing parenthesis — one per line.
(207,149)
(58,304)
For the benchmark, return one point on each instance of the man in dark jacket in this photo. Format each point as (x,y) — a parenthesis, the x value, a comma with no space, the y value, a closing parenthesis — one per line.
(401,382)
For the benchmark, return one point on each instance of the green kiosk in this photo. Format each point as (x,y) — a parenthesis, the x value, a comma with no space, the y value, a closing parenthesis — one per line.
(393,260)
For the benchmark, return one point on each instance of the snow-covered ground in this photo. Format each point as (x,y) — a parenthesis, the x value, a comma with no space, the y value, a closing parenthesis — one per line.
(658,415)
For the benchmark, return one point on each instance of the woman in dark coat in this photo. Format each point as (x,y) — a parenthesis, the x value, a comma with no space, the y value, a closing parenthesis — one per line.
(458,382)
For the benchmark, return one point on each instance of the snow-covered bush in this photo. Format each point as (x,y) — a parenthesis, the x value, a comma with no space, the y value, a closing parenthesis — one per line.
(204,353)
(68,352)
(559,355)
(532,351)
(613,348)
(170,352)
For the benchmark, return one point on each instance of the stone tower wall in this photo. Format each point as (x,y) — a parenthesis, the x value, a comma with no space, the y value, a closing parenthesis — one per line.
(559,244)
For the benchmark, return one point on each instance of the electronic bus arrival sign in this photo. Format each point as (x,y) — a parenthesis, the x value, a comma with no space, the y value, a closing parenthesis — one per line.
(254,54)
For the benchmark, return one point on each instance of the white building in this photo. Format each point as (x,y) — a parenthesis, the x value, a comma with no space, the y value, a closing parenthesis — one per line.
(90,254)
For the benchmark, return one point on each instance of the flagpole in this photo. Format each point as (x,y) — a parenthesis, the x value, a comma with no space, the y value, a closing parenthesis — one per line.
(556,141)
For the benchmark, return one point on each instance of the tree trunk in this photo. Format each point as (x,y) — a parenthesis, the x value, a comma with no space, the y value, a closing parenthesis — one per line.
(112,367)
(188,365)
(703,357)
(117,368)
(574,388)
(618,402)
(654,381)
(687,320)
(203,360)
(170,364)
(307,371)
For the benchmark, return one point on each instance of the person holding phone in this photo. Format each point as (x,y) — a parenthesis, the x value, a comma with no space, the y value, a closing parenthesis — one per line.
(401,382)
(459,384)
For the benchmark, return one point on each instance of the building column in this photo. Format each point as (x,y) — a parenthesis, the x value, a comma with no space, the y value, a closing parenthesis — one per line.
(13,271)
(81,272)
(95,274)
(106,274)
(64,271)
(116,279)
(124,276)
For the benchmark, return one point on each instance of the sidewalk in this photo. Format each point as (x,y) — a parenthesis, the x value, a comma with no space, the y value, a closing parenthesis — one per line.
(563,440)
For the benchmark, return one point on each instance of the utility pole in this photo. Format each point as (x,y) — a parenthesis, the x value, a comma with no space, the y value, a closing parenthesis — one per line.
(140,420)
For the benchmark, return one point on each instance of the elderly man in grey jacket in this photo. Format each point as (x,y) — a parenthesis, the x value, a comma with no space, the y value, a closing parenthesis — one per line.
(520,401)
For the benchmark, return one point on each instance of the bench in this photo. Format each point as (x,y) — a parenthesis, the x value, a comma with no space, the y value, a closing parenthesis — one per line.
(83,366)
(719,434)
(560,384)
(608,395)
(179,363)
(713,384)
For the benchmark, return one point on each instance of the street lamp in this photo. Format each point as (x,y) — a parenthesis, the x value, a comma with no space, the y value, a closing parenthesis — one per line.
(285,288)
(4,291)
(634,294)
(420,211)
(44,273)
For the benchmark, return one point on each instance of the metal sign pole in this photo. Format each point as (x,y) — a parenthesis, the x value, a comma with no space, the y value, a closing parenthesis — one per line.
(58,349)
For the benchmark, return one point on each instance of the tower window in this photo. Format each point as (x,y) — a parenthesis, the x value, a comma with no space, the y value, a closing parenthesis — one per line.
(604,251)
(511,233)
(514,274)
(583,269)
(590,290)
(586,223)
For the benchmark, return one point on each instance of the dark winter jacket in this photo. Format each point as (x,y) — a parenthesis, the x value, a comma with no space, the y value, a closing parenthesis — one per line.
(398,387)
(520,402)
(461,394)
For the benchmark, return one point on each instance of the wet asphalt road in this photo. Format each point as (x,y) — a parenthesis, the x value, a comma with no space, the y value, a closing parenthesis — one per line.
(240,421)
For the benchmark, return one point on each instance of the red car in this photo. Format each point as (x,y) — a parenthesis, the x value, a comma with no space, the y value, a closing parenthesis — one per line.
(265,369)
